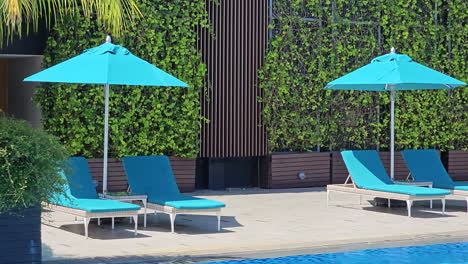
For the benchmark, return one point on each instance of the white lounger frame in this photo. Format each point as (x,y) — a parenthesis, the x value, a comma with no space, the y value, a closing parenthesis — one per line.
(173,212)
(460,194)
(352,188)
(455,193)
(87,216)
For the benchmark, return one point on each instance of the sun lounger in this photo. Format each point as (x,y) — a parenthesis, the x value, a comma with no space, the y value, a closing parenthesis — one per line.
(153,176)
(370,178)
(81,199)
(425,165)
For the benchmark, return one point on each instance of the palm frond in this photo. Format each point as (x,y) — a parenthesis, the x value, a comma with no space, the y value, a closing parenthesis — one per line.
(17,16)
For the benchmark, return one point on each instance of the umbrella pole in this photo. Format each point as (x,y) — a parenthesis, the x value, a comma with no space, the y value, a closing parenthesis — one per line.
(106,137)
(392,132)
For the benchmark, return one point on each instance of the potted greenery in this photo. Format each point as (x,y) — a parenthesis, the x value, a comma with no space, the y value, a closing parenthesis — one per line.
(30,161)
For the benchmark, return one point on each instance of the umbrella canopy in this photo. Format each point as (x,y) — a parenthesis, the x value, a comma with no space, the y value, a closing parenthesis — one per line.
(392,72)
(394,69)
(106,64)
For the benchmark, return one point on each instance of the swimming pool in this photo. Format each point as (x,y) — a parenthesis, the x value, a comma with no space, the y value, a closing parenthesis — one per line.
(454,253)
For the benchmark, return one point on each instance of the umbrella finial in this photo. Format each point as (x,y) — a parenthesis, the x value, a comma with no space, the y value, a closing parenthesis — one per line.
(108,39)
(392,50)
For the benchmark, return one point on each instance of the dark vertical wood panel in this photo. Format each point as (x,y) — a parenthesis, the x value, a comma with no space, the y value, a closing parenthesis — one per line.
(249,49)
(233,52)
(4,85)
(231,73)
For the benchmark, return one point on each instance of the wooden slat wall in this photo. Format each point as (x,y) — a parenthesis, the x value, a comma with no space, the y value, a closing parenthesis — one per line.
(116,179)
(184,172)
(233,51)
(458,165)
(281,170)
(340,173)
(286,167)
(401,171)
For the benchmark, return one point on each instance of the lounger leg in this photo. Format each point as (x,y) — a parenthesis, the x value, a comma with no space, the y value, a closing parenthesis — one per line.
(409,203)
(430,204)
(467,204)
(99,221)
(135,219)
(144,217)
(218,214)
(131,219)
(172,216)
(86,223)
(112,222)
(443,206)
(389,205)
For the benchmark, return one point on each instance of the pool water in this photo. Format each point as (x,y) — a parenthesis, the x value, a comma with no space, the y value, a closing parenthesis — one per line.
(454,253)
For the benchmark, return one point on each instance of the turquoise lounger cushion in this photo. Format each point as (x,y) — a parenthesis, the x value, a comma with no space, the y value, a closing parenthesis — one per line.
(150,175)
(368,172)
(425,165)
(100,205)
(187,202)
(81,182)
(365,167)
(462,186)
(67,199)
(153,176)
(410,190)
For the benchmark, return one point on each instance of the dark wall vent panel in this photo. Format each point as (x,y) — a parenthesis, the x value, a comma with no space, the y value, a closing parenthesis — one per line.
(233,51)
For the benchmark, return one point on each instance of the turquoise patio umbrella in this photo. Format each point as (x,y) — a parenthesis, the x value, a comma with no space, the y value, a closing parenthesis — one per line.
(107,64)
(390,73)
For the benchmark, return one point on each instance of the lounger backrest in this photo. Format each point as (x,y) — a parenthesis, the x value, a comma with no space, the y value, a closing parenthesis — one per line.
(365,167)
(81,182)
(150,175)
(425,165)
(66,197)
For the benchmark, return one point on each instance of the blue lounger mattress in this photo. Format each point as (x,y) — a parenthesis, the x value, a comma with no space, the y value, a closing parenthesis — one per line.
(368,172)
(462,186)
(186,202)
(425,165)
(98,205)
(153,176)
(79,192)
(410,190)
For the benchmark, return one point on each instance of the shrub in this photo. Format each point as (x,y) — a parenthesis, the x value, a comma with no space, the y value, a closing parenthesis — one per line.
(30,161)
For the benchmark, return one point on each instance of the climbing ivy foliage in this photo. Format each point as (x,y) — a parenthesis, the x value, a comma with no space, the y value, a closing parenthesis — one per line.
(316,41)
(143,120)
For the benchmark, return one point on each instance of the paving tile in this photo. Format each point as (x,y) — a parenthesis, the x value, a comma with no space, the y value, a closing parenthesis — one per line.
(254,221)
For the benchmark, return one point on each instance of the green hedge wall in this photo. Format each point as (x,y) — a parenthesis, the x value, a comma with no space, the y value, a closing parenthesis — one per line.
(315,41)
(143,120)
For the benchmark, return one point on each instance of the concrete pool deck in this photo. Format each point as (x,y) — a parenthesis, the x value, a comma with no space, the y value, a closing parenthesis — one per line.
(255,223)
